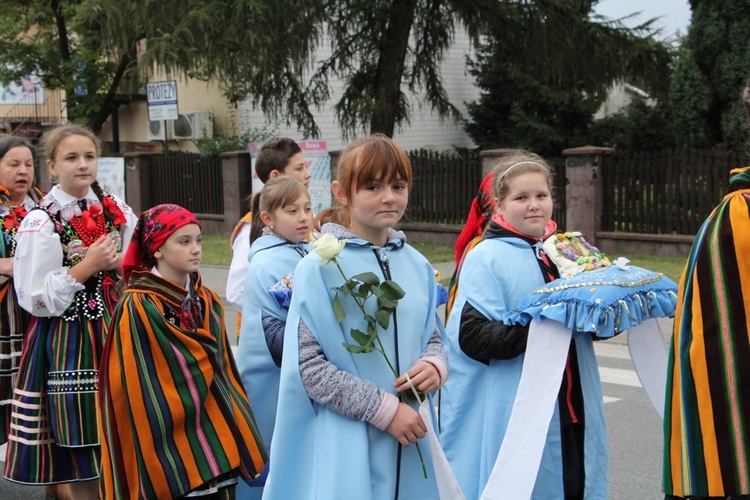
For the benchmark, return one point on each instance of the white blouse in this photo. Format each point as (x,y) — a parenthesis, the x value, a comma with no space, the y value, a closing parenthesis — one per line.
(28,204)
(42,283)
(235,290)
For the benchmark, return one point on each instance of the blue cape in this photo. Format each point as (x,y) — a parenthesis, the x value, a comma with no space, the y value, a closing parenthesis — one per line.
(270,258)
(316,452)
(477,399)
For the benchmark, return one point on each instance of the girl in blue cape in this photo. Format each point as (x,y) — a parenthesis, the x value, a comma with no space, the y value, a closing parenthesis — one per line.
(283,220)
(487,355)
(341,430)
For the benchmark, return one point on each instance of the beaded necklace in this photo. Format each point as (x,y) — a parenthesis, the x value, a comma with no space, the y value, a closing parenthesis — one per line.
(90,225)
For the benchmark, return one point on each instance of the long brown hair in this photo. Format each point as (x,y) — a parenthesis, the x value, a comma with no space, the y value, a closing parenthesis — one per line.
(373,158)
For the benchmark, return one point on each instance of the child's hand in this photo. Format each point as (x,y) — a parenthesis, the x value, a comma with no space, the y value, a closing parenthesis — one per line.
(102,255)
(407,426)
(424,376)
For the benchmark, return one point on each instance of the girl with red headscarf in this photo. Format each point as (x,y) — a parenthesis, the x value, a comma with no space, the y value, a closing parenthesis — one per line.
(175,418)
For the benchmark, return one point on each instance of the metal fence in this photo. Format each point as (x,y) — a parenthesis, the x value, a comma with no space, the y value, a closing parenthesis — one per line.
(189,180)
(666,192)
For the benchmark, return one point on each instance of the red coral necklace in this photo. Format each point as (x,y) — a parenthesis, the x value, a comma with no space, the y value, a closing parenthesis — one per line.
(90,225)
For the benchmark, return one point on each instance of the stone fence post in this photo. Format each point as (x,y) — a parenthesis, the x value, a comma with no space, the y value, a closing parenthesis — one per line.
(237,178)
(137,186)
(584,193)
(491,157)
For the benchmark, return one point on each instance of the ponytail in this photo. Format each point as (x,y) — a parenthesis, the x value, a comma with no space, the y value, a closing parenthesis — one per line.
(256,225)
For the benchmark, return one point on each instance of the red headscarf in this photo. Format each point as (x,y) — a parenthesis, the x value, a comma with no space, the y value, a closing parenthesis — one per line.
(479,214)
(153,228)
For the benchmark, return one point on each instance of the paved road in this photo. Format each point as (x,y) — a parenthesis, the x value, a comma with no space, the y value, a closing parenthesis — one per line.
(634,429)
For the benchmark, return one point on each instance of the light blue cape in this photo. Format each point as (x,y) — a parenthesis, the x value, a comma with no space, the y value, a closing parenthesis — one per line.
(271,258)
(317,453)
(476,401)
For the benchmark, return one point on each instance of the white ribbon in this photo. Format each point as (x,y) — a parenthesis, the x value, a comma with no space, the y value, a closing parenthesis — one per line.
(447,485)
(517,464)
(649,355)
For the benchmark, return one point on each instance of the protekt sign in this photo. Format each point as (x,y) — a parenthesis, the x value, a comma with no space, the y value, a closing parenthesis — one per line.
(162,100)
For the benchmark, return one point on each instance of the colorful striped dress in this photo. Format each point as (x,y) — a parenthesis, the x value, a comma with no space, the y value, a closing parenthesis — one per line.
(706,434)
(54,436)
(174,415)
(14,320)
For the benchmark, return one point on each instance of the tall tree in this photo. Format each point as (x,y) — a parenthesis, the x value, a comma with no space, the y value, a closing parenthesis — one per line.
(717,62)
(100,51)
(542,81)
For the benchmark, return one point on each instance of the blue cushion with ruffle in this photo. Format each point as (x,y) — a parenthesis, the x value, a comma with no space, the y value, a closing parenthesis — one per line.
(603,302)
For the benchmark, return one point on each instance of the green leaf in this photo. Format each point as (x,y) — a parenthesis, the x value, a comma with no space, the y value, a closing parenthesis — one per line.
(370,319)
(391,290)
(339,309)
(368,277)
(359,336)
(356,349)
(384,318)
(363,291)
(385,303)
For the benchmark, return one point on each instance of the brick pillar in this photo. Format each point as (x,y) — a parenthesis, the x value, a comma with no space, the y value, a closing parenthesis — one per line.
(137,185)
(583,193)
(491,157)
(235,168)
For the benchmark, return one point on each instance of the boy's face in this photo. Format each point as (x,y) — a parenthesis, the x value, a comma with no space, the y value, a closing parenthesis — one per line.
(297,170)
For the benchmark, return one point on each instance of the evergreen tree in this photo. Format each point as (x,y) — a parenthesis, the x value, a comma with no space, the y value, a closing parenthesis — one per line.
(541,84)
(716,65)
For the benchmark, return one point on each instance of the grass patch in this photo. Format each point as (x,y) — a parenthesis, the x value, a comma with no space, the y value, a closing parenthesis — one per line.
(216,250)
(435,253)
(670,266)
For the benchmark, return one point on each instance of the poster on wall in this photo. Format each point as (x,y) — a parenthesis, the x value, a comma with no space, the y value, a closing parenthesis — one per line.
(318,162)
(253,148)
(111,176)
(28,91)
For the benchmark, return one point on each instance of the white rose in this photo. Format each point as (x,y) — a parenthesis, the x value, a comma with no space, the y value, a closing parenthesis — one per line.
(328,247)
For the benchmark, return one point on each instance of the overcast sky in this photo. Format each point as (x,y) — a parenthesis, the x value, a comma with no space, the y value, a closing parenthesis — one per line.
(675,14)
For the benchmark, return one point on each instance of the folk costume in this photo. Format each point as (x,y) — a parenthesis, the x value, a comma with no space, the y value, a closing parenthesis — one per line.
(175,419)
(54,436)
(707,410)
(14,320)
(260,347)
(330,439)
(487,357)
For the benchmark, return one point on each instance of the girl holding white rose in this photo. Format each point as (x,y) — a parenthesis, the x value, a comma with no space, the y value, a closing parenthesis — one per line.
(341,429)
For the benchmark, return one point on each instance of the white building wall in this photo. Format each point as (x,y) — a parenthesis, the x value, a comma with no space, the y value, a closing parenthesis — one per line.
(425,129)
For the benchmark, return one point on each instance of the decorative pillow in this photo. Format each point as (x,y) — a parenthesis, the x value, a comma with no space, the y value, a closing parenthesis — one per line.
(604,301)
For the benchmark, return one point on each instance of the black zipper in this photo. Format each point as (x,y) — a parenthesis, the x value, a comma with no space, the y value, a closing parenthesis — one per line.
(387,275)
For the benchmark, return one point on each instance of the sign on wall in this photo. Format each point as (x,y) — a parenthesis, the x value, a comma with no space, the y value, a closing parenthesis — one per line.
(317,161)
(162,100)
(111,176)
(28,91)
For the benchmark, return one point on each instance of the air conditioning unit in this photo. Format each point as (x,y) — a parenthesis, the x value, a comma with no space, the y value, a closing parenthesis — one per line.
(156,131)
(193,125)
